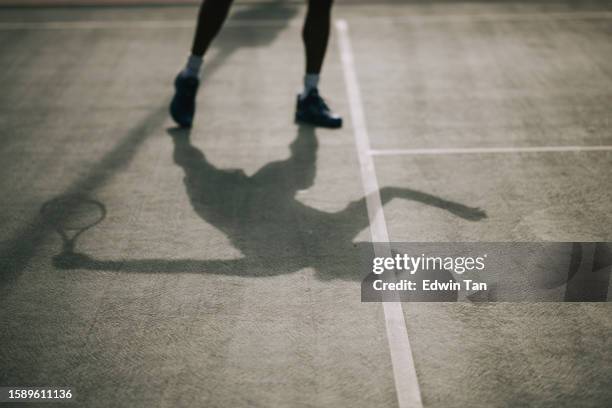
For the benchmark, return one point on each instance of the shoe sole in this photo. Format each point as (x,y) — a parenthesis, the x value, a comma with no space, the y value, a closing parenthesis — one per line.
(317,124)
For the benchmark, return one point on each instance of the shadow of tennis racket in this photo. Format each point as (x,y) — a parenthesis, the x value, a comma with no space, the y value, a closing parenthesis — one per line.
(70,216)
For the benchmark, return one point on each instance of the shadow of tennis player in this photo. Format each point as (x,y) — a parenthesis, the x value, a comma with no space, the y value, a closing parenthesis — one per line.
(275,232)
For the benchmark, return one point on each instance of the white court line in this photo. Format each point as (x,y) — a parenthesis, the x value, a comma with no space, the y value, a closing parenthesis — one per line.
(404,372)
(480,150)
(539,16)
(144,24)
(136,24)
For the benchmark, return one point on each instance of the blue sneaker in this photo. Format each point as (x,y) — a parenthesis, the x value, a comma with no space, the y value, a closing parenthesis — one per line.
(314,111)
(182,107)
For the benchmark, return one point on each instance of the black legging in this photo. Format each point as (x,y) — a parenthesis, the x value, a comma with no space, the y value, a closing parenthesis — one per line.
(315,32)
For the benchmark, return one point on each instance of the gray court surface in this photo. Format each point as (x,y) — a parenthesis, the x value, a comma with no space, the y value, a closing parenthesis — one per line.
(216,269)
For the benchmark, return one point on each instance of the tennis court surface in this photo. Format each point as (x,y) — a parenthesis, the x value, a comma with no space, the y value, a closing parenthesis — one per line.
(147,266)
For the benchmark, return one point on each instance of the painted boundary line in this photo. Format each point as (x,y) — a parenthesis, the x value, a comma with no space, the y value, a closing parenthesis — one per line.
(538,16)
(404,372)
(484,150)
(136,24)
(160,24)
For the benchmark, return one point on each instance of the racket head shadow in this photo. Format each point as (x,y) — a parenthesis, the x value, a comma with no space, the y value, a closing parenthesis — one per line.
(73,213)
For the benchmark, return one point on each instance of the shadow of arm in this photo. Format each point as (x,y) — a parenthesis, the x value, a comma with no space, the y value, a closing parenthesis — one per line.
(358,207)
(460,210)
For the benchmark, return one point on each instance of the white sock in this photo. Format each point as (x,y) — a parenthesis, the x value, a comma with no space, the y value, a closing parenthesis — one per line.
(193,66)
(311,81)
